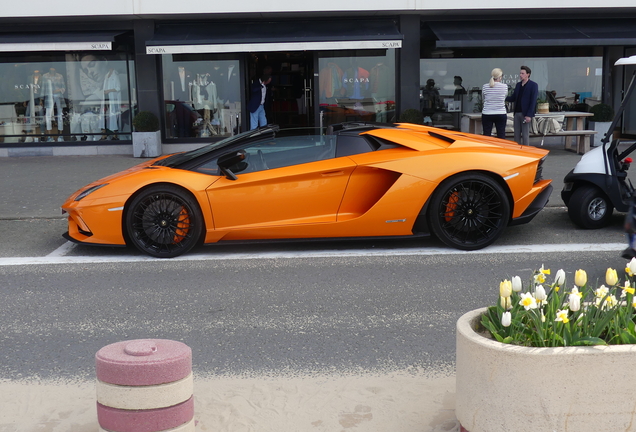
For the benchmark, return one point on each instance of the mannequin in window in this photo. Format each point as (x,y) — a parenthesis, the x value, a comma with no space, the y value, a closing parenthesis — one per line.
(34,104)
(225,76)
(53,92)
(181,81)
(111,104)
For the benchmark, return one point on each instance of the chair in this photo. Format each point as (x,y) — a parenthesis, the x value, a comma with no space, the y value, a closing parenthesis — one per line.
(555,104)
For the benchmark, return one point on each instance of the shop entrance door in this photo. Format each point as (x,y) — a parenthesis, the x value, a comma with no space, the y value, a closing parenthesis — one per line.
(290,95)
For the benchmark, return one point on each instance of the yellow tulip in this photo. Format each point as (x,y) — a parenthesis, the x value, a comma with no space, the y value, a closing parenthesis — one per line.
(611,278)
(506,303)
(580,277)
(505,288)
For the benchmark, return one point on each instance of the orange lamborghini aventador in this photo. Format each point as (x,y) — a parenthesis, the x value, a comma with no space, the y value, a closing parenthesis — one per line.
(356,180)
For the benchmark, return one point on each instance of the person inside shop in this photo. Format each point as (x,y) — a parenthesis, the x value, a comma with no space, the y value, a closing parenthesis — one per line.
(459,88)
(269,94)
(494,111)
(525,101)
(256,104)
(111,104)
(429,98)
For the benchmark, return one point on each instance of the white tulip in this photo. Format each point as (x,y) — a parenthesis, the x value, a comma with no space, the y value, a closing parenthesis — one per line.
(516,284)
(539,293)
(506,319)
(574,302)
(632,266)
(559,278)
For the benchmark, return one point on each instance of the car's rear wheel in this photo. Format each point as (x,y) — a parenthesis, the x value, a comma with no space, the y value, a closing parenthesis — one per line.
(590,208)
(469,211)
(164,221)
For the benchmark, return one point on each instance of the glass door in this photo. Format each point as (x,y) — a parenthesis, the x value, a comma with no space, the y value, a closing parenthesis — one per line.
(288,101)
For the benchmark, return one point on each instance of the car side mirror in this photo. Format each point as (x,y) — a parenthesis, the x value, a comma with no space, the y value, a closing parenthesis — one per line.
(228,160)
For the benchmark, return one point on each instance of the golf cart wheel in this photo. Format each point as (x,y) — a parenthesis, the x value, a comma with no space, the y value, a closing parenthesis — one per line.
(164,221)
(469,211)
(590,208)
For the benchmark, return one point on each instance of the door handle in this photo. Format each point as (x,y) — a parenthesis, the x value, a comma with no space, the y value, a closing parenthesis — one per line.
(332,173)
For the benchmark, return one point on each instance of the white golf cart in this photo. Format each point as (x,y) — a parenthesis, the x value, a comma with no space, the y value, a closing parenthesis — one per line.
(598,184)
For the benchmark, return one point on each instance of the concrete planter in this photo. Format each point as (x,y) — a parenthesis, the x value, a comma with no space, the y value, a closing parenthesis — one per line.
(146,144)
(503,388)
(601,128)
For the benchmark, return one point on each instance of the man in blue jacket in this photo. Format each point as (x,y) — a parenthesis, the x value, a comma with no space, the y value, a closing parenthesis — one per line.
(525,99)
(257,101)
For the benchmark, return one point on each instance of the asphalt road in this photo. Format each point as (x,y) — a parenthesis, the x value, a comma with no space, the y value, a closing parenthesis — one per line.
(262,315)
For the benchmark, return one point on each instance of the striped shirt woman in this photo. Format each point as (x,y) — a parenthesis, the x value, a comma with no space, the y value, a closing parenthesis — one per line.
(494,111)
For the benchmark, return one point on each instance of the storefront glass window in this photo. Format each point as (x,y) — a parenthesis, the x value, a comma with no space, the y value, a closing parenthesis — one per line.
(202,97)
(449,86)
(70,97)
(629,116)
(358,87)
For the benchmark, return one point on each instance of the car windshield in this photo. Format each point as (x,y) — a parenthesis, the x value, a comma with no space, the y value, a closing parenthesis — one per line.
(180,158)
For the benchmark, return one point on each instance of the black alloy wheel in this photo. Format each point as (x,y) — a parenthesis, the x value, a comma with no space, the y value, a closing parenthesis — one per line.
(469,211)
(164,221)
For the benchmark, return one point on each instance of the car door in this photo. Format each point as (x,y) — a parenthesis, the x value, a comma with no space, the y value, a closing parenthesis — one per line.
(282,181)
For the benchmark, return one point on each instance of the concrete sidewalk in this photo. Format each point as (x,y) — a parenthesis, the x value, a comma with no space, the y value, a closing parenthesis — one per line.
(36,186)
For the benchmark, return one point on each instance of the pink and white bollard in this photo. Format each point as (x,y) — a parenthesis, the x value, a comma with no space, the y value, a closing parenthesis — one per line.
(145,385)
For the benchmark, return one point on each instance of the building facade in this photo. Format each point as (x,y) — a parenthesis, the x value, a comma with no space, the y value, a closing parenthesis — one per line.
(74,75)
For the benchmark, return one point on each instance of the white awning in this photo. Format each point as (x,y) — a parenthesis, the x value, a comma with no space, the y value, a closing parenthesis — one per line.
(274,46)
(70,41)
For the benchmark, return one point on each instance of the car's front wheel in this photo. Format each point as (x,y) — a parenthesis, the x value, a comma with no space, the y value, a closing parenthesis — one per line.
(164,221)
(469,211)
(590,208)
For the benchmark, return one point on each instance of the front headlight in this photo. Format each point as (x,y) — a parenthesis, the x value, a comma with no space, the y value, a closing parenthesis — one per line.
(88,191)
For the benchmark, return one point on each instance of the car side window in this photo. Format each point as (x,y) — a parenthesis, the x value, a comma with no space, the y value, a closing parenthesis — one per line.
(349,145)
(278,153)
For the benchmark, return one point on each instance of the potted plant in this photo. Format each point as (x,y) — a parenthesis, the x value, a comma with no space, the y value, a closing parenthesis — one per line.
(413,116)
(553,356)
(543,107)
(146,135)
(601,121)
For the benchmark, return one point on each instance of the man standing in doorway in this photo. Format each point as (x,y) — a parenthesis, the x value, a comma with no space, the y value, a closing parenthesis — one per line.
(525,99)
(257,102)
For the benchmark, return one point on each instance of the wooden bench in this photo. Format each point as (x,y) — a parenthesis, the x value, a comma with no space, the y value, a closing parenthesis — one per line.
(580,146)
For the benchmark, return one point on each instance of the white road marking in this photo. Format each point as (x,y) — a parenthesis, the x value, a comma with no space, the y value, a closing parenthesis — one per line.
(63,250)
(213,255)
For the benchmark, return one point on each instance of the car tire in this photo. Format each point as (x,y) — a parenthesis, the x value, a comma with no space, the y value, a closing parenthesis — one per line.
(469,211)
(589,208)
(164,221)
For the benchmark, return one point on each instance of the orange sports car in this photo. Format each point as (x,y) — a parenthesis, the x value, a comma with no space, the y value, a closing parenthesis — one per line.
(357,180)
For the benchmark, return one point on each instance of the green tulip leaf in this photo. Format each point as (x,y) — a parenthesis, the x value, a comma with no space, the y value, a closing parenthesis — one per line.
(589,341)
